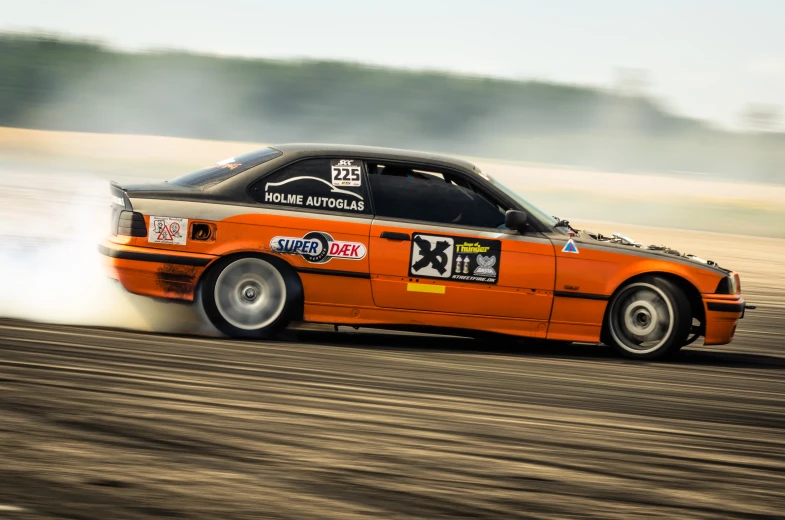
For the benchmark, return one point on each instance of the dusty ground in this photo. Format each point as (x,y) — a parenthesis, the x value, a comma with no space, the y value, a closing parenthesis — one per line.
(104,424)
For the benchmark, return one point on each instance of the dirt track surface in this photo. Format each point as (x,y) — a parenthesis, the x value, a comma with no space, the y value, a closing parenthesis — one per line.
(104,424)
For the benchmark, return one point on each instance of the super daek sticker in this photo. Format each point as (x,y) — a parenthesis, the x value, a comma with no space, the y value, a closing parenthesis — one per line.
(318,247)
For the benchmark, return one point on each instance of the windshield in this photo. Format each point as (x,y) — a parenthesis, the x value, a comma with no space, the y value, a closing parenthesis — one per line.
(531,209)
(208,177)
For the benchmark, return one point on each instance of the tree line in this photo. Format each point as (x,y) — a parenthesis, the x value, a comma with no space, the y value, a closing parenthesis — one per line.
(52,83)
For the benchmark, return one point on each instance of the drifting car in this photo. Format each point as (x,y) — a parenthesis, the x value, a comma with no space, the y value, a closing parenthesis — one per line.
(375,237)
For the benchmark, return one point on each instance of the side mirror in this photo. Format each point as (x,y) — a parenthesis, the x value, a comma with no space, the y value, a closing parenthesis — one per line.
(517,220)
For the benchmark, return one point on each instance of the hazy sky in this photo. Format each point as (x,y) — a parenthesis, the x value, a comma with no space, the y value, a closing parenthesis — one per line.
(705,58)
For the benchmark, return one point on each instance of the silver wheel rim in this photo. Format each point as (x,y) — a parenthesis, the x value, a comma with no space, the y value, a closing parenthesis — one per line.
(250,293)
(641,318)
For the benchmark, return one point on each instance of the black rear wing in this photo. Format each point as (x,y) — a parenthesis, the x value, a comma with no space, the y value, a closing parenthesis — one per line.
(119,197)
(124,221)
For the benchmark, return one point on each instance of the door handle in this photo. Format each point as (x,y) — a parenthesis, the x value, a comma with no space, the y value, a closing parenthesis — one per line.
(392,235)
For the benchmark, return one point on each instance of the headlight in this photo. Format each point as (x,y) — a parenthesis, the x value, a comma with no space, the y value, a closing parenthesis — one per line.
(731,284)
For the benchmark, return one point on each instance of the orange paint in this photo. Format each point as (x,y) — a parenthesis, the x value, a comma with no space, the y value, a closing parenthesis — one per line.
(529,298)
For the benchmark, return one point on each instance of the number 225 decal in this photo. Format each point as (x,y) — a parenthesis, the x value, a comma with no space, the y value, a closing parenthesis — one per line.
(345,172)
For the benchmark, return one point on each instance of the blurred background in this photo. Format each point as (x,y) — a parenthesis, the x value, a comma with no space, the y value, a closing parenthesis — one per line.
(665,115)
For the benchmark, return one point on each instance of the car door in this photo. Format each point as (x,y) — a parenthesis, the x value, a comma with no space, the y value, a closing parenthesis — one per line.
(438,247)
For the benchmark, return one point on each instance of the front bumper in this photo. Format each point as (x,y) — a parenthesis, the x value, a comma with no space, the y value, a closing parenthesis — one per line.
(153,272)
(723,313)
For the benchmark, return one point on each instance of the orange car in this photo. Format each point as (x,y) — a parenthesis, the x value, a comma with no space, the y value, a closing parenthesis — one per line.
(378,237)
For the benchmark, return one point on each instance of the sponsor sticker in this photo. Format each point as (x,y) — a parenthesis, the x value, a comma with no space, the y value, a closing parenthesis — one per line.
(167,230)
(471,247)
(485,266)
(318,247)
(346,172)
(118,200)
(431,256)
(455,258)
(304,191)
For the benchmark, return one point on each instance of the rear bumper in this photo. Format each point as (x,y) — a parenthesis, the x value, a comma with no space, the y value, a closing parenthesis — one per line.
(154,273)
(723,313)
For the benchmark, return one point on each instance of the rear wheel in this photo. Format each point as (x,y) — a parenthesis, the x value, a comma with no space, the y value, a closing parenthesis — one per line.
(251,297)
(649,318)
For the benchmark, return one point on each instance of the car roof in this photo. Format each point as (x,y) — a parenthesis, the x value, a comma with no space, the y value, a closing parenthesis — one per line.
(375,152)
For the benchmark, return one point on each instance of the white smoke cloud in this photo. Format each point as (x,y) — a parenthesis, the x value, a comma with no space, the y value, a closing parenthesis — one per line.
(50,268)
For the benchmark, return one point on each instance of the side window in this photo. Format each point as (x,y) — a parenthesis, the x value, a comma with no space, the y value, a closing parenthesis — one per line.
(316,184)
(432,199)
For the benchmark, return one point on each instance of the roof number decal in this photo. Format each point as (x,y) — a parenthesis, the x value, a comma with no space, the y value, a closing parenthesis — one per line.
(346,172)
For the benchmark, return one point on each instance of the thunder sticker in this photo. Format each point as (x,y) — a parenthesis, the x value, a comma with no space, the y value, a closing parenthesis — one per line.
(455,258)
(318,247)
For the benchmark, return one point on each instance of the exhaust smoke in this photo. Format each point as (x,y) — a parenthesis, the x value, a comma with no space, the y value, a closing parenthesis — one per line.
(50,269)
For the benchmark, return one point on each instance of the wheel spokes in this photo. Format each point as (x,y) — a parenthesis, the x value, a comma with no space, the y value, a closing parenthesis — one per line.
(250,293)
(641,318)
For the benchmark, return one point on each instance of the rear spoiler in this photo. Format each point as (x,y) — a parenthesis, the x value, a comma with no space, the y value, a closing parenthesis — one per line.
(119,197)
(124,220)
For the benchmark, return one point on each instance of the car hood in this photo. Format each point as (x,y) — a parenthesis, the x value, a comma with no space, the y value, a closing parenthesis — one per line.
(623,242)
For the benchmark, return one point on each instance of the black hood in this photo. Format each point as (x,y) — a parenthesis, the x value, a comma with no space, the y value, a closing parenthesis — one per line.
(624,243)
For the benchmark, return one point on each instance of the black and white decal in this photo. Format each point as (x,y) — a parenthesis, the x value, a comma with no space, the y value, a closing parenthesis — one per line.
(303,191)
(431,256)
(455,258)
(168,230)
(346,172)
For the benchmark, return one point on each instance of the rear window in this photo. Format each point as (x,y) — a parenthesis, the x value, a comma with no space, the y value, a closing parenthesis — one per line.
(223,170)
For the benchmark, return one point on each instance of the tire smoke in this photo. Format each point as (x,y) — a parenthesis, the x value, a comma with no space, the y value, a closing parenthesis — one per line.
(51,269)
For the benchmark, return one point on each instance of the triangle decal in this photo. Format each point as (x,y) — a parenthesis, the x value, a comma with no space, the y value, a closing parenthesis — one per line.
(570,247)
(165,234)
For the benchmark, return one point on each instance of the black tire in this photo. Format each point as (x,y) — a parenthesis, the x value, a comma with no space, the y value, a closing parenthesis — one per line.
(251,296)
(647,318)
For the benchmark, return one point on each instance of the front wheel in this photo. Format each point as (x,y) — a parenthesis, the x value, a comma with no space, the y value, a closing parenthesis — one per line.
(251,297)
(649,318)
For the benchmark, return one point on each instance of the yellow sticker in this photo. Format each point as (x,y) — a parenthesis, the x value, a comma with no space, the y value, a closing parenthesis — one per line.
(469,247)
(426,287)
